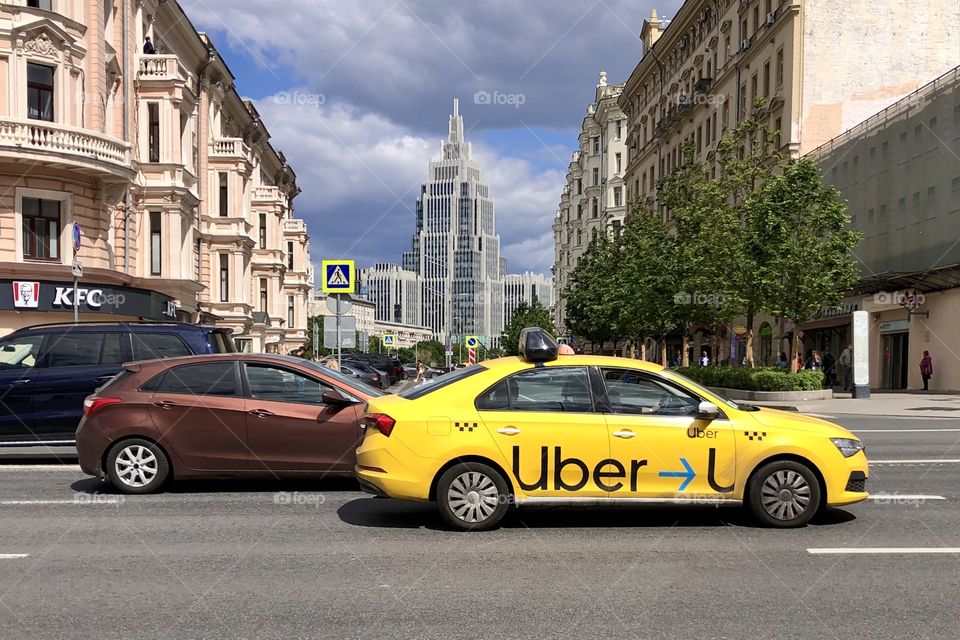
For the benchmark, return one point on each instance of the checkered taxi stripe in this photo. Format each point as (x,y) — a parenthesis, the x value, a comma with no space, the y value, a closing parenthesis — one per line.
(465,426)
(755,435)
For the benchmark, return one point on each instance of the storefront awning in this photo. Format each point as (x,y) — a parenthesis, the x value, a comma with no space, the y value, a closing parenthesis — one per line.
(828,323)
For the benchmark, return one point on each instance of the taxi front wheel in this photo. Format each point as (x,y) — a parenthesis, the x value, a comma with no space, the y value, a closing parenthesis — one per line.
(472,496)
(784,494)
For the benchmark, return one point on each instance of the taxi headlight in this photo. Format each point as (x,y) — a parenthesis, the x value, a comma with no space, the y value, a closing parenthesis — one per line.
(847,446)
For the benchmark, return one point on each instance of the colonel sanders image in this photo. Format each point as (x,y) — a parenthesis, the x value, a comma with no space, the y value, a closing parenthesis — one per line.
(26,295)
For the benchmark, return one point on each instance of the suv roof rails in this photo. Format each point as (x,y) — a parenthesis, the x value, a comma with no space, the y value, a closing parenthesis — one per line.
(93,323)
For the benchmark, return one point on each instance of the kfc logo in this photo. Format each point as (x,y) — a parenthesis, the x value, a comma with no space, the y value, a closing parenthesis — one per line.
(26,295)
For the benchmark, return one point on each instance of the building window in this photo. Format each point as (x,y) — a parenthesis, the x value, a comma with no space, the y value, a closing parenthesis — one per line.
(596,207)
(153,130)
(596,145)
(224,194)
(579,237)
(156,246)
(263,231)
(263,295)
(224,277)
(619,129)
(766,79)
(41,229)
(198,252)
(579,211)
(780,67)
(596,176)
(290,256)
(291,312)
(579,186)
(39,92)
(46,5)
(617,196)
(619,161)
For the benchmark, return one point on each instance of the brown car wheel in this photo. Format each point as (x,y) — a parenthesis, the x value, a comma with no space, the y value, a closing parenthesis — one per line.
(137,466)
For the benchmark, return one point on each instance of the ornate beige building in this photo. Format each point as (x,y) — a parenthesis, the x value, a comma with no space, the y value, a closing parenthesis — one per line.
(594,197)
(184,207)
(822,66)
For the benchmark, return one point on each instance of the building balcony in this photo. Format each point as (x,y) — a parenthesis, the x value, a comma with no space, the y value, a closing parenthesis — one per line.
(163,69)
(297,280)
(227,229)
(294,226)
(270,195)
(229,148)
(267,259)
(65,147)
(166,176)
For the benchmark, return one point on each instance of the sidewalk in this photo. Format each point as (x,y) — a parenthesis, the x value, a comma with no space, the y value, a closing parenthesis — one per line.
(892,405)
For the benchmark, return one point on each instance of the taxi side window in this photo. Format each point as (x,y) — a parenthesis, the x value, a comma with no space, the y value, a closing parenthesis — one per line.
(542,389)
(630,392)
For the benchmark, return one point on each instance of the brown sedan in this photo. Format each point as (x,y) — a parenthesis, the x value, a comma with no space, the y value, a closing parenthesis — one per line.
(235,415)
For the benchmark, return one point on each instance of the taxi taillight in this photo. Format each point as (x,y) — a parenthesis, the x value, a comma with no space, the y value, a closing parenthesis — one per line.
(379,421)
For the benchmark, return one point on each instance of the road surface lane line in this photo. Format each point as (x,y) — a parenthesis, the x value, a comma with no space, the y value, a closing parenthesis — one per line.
(903,496)
(927,461)
(902,430)
(39,467)
(82,503)
(881,550)
(13,556)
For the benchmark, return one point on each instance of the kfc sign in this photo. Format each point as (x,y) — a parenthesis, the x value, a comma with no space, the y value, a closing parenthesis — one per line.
(26,295)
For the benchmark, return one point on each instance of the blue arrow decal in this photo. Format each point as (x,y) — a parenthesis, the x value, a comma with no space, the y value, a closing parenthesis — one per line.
(688,475)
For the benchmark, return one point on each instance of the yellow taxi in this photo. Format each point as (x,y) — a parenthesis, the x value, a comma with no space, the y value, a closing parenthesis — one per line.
(545,428)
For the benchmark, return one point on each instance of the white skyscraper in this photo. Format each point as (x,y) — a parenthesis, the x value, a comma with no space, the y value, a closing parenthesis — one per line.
(456,251)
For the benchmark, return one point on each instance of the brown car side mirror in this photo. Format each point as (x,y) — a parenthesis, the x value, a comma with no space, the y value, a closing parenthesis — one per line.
(335,398)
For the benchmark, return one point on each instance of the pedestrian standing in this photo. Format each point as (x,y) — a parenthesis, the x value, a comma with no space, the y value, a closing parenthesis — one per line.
(829,370)
(148,47)
(421,371)
(926,370)
(704,359)
(782,361)
(846,366)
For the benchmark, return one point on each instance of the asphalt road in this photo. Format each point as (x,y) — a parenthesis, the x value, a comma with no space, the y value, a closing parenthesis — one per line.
(318,559)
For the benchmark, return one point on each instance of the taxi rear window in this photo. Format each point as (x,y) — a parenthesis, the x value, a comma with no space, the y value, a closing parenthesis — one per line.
(438,383)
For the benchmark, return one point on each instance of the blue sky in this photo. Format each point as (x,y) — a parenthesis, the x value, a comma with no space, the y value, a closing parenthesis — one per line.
(357,96)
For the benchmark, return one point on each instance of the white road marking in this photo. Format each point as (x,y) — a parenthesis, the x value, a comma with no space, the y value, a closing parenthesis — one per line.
(926,461)
(13,556)
(821,415)
(40,467)
(881,550)
(903,496)
(902,430)
(79,502)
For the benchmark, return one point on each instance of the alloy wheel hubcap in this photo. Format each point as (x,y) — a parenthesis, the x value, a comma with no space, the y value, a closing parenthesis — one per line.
(136,466)
(473,496)
(785,495)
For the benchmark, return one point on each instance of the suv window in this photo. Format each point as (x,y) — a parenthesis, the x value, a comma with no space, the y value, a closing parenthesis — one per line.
(205,379)
(72,350)
(541,389)
(151,346)
(220,342)
(20,352)
(632,392)
(112,352)
(274,384)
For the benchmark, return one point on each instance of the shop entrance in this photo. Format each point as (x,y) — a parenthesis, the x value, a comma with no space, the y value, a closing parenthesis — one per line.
(894,351)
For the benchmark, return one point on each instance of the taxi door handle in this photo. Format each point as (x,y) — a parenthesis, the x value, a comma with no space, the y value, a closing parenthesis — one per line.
(508,431)
(625,433)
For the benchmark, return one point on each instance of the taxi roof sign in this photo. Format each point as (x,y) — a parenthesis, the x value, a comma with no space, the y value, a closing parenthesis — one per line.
(339,276)
(537,345)
(472,342)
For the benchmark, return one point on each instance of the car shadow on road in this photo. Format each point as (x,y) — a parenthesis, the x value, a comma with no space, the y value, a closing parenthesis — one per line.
(392,514)
(303,485)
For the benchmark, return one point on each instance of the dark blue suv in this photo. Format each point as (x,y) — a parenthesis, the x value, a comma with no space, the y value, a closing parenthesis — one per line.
(46,371)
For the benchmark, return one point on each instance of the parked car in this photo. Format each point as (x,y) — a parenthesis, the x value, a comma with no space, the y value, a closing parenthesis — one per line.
(46,371)
(221,416)
(367,374)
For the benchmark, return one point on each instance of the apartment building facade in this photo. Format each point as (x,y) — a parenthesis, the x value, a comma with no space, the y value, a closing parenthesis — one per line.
(900,173)
(594,199)
(183,207)
(821,67)
(524,288)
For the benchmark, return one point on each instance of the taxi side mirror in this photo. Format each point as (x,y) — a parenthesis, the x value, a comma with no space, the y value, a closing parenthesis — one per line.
(707,411)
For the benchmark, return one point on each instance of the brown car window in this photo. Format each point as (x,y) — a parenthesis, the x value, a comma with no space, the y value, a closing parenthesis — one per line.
(206,379)
(274,384)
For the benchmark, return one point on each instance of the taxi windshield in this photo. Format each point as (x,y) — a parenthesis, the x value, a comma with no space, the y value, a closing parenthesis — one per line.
(440,382)
(703,391)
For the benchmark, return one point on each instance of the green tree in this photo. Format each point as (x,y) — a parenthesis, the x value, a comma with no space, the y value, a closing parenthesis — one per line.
(533,315)
(806,224)
(592,298)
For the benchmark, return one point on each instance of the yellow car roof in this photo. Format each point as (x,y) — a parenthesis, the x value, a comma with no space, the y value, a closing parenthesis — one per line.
(583,360)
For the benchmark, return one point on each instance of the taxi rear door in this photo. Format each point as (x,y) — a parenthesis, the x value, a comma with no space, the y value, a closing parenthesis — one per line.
(669,453)
(545,424)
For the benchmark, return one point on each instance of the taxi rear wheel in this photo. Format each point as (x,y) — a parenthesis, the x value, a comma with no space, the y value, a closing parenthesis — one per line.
(784,494)
(472,496)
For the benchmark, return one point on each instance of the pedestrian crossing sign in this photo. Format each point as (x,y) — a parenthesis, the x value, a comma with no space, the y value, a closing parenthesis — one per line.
(389,340)
(339,276)
(472,342)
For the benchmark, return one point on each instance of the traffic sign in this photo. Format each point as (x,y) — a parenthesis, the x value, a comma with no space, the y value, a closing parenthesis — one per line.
(339,276)
(472,356)
(77,269)
(339,300)
(389,340)
(472,342)
(75,234)
(348,332)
